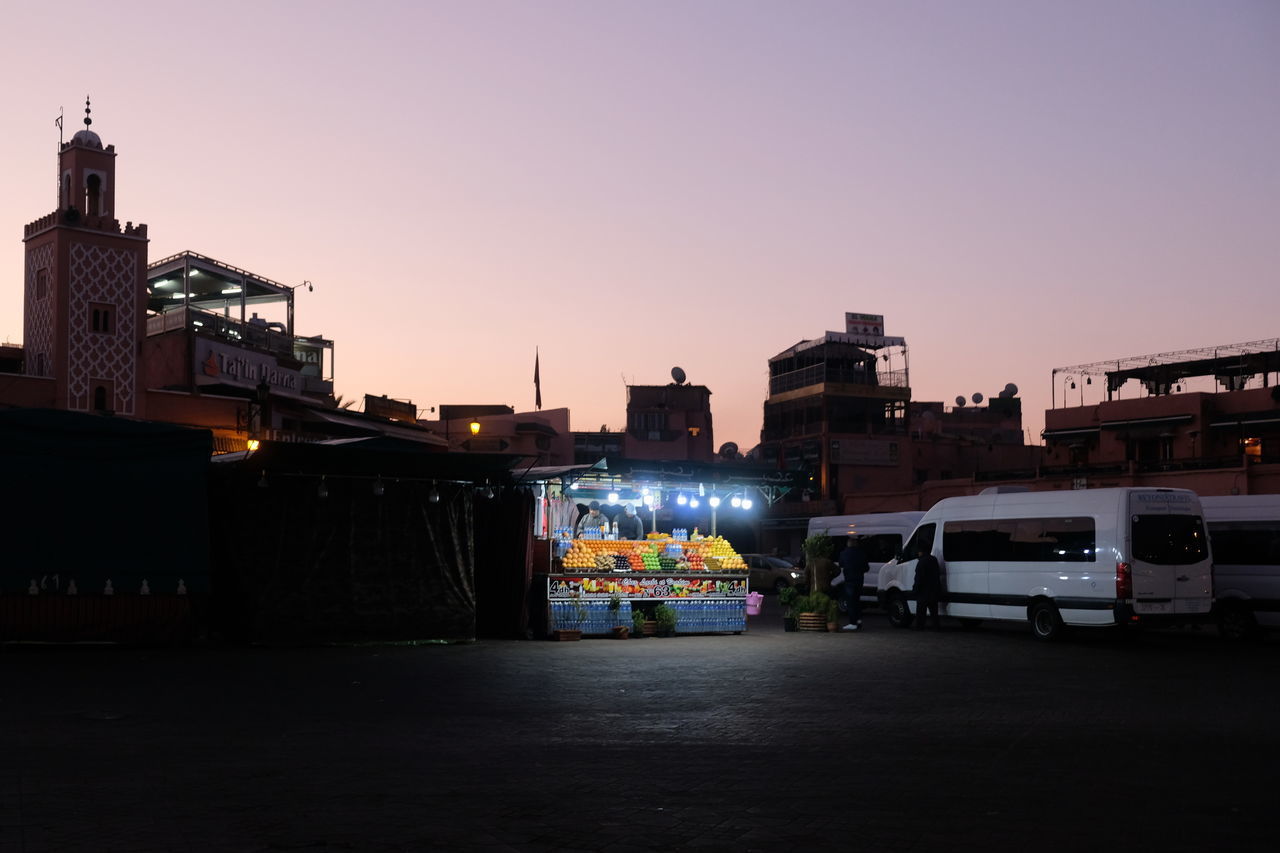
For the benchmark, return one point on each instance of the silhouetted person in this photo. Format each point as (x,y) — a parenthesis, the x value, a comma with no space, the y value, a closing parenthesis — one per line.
(853,565)
(927,585)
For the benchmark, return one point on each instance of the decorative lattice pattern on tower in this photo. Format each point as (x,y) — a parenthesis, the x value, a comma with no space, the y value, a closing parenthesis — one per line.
(105,276)
(37,334)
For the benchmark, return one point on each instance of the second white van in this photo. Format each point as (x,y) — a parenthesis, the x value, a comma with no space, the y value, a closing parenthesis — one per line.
(1244,531)
(881,535)
(1097,557)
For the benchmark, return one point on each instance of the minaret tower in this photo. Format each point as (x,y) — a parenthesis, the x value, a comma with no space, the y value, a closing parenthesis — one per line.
(86,287)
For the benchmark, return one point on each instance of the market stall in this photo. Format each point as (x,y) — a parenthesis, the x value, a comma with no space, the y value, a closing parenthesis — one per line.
(596,581)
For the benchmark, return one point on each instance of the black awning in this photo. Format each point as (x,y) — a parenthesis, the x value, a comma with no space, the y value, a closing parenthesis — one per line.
(1074,432)
(1140,423)
(1247,419)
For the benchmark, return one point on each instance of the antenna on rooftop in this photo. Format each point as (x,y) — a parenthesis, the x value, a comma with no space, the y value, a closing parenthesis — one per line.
(677,373)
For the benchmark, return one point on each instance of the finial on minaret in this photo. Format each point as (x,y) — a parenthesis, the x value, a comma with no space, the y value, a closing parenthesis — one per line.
(87,121)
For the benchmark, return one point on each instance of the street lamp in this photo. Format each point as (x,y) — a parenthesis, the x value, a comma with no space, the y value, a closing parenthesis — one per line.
(475,427)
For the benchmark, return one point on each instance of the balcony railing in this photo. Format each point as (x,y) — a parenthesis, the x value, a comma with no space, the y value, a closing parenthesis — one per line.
(260,336)
(819,374)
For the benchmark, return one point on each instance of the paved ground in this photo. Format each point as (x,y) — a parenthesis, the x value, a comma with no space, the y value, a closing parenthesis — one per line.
(885,740)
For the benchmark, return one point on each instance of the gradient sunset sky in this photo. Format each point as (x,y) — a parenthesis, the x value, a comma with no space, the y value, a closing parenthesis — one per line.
(1016,185)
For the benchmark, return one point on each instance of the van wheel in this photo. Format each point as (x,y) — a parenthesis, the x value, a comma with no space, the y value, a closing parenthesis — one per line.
(899,613)
(1236,623)
(1046,624)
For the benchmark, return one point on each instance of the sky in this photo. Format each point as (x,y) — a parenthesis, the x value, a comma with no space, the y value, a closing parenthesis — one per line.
(624,187)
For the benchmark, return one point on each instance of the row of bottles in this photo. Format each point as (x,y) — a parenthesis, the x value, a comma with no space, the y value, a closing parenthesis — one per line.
(693,616)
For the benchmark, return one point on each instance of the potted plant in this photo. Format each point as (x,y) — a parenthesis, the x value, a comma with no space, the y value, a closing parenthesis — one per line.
(666,617)
(640,624)
(812,610)
(787,598)
(569,619)
(832,609)
(819,561)
(620,631)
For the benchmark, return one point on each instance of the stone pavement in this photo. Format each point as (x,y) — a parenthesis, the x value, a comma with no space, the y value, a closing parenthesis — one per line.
(879,741)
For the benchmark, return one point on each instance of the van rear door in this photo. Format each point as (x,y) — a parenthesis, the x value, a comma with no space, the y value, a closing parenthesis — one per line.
(1168,554)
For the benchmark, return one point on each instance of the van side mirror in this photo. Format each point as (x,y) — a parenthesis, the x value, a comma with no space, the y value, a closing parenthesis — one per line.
(897,554)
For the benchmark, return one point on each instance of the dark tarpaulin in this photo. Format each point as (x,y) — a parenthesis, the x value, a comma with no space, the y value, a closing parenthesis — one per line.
(294,567)
(92,498)
(89,499)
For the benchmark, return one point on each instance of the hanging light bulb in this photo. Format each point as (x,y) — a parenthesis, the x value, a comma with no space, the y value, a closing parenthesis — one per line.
(613,497)
(262,481)
(433,496)
(735,501)
(693,502)
(648,500)
(746,503)
(714,500)
(323,491)
(488,491)
(378,488)
(681,499)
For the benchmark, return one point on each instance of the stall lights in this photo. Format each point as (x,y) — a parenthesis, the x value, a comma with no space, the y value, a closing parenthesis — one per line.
(735,501)
(681,499)
(746,503)
(693,502)
(714,500)
(613,497)
(648,500)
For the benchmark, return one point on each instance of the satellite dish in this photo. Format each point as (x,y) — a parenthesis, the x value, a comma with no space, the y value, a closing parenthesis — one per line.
(960,401)
(1012,389)
(677,374)
(729,450)
(977,397)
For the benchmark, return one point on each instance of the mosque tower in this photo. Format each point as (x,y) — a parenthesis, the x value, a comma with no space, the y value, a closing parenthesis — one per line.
(85,295)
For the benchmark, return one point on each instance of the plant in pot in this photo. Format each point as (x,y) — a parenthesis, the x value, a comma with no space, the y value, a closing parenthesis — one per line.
(666,617)
(787,598)
(570,618)
(620,631)
(833,609)
(638,622)
(819,561)
(812,610)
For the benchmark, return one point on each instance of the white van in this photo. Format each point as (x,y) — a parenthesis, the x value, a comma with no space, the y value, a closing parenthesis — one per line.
(882,535)
(1244,531)
(1123,556)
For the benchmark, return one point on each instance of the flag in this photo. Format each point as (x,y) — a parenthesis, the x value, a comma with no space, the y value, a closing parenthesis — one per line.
(537,382)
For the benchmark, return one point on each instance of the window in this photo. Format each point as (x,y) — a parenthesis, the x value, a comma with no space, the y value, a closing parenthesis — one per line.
(921,542)
(99,399)
(42,283)
(1245,543)
(1168,540)
(882,547)
(1071,539)
(92,194)
(102,318)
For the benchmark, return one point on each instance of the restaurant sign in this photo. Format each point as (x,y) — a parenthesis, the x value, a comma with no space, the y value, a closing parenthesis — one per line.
(220,364)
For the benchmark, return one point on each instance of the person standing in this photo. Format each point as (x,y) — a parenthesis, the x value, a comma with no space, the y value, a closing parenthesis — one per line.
(927,585)
(629,524)
(593,518)
(853,565)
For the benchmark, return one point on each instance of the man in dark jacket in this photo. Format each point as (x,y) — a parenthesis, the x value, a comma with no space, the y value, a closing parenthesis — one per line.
(927,585)
(853,565)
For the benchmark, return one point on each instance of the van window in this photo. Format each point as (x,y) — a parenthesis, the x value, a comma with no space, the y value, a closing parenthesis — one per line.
(1070,539)
(882,547)
(1168,540)
(1245,543)
(923,534)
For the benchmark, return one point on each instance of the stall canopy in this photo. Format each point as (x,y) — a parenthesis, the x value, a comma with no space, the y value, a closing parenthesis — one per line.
(370,539)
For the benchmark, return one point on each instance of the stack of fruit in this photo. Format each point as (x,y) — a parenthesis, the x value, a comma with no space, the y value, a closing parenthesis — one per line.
(621,563)
(667,564)
(650,560)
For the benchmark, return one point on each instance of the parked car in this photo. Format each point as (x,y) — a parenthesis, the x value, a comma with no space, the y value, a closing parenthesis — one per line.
(772,574)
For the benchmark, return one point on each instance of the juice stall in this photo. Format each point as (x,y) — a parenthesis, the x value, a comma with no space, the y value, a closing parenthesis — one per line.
(673,578)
